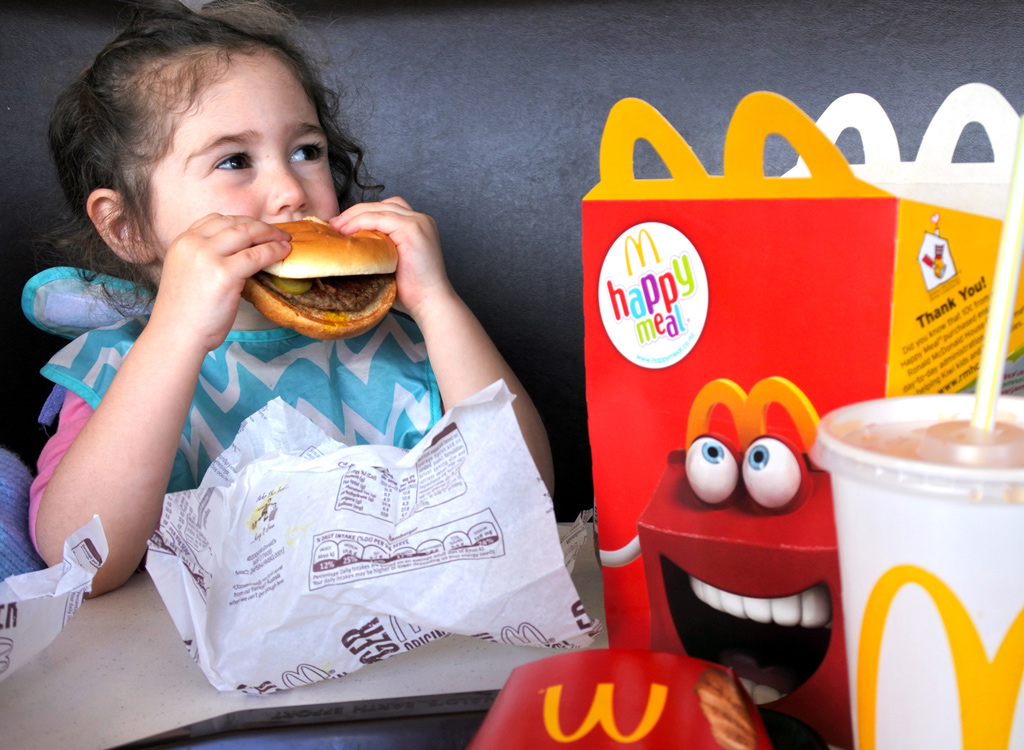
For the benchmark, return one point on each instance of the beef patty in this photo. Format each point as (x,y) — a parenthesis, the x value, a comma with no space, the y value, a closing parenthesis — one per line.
(334,293)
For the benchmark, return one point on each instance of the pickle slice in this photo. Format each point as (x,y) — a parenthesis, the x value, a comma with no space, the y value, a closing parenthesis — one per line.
(291,286)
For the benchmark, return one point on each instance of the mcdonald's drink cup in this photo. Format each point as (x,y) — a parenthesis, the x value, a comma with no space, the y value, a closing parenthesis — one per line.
(931,556)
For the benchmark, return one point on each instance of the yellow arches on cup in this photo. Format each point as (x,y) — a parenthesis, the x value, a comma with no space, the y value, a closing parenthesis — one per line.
(988,690)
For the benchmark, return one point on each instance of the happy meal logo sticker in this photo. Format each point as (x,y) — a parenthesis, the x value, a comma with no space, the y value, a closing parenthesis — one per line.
(935,259)
(653,295)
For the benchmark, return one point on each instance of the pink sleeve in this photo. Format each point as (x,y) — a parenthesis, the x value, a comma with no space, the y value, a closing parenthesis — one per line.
(73,415)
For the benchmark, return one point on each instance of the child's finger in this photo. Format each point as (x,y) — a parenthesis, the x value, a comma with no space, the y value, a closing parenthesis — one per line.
(404,226)
(252,234)
(361,215)
(254,258)
(397,200)
(233,233)
(241,246)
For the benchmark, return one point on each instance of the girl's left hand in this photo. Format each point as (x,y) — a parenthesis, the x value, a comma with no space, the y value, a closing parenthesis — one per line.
(462,355)
(421,275)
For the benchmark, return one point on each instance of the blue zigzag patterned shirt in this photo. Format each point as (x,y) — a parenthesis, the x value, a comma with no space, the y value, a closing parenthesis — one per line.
(375,388)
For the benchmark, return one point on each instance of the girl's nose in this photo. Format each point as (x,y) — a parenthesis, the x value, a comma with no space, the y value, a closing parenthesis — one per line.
(286,194)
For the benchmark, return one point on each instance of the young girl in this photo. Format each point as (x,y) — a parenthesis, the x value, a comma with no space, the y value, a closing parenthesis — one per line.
(178,148)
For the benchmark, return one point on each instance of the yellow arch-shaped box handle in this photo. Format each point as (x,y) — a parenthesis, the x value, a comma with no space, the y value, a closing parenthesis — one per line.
(757,116)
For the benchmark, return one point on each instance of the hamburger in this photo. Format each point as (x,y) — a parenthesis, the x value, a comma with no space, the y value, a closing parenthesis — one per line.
(331,286)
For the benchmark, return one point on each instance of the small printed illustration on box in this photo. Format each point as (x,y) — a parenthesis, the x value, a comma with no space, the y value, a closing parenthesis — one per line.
(935,257)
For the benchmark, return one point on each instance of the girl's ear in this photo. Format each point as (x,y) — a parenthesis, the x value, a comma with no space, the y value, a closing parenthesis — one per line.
(105,208)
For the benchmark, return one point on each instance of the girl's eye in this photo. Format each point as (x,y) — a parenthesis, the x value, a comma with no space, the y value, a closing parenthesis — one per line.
(711,469)
(771,473)
(309,152)
(235,161)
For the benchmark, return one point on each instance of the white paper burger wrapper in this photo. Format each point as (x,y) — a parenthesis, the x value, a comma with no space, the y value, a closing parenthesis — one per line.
(301,559)
(35,607)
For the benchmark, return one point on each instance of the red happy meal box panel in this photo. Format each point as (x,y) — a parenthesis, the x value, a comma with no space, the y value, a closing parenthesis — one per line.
(613,698)
(724,314)
(788,284)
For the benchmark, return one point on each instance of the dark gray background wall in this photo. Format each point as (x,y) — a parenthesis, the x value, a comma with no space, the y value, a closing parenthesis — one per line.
(488,115)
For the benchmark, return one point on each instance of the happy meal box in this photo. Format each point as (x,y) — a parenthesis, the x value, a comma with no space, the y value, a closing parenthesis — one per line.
(723,315)
(601,699)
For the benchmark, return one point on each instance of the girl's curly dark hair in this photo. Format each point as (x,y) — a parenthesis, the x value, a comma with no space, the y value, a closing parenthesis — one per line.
(113,123)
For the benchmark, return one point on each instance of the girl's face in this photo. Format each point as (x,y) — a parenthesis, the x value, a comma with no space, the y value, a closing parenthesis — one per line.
(251,145)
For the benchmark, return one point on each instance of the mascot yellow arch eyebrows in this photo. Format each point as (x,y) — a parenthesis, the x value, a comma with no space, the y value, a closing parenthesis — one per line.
(750,411)
(753,587)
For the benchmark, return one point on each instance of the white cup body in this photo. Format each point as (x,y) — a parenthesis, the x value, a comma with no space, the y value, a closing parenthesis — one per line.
(932,566)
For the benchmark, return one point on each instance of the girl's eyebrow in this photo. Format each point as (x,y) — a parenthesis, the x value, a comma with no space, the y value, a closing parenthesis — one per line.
(310,128)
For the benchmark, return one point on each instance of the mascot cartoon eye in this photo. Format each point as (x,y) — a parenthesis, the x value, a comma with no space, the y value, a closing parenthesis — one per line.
(712,470)
(771,473)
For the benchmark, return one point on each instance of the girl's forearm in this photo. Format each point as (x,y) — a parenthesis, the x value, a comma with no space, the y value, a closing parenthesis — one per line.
(119,464)
(465,360)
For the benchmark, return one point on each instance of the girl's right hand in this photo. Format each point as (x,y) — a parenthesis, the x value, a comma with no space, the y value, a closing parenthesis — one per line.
(204,270)
(142,414)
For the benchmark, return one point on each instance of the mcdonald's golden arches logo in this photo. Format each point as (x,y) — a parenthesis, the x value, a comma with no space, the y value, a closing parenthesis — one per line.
(602,714)
(988,689)
(637,245)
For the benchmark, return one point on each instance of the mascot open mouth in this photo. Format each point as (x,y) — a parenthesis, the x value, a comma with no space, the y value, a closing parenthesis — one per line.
(774,644)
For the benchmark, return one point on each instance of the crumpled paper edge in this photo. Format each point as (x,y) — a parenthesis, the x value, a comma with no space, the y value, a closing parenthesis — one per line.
(35,607)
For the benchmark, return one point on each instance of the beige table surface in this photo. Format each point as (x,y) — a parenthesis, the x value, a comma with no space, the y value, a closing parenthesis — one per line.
(118,672)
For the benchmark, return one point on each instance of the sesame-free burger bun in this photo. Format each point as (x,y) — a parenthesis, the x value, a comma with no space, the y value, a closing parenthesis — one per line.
(317,250)
(330,286)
